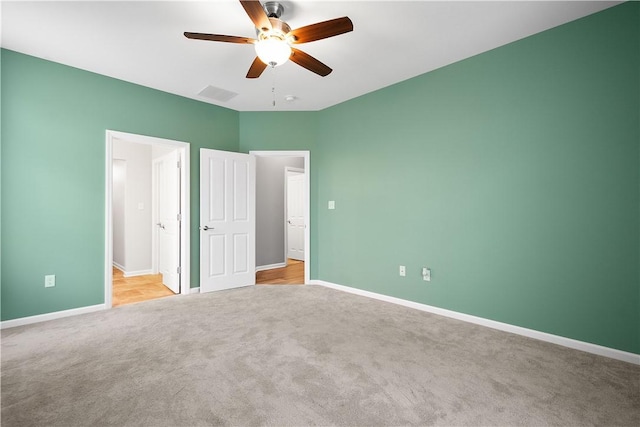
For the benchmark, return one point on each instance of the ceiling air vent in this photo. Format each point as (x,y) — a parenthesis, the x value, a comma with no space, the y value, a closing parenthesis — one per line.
(217,94)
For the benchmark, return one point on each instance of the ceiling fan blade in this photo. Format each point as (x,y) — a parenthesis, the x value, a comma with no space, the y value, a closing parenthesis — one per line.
(256,69)
(309,62)
(219,38)
(321,30)
(257,14)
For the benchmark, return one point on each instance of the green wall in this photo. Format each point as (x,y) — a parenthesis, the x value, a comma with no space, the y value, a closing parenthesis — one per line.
(513,175)
(53,143)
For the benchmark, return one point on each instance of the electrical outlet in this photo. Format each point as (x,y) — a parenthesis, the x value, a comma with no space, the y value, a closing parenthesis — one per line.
(426,274)
(49,281)
(332,204)
(403,270)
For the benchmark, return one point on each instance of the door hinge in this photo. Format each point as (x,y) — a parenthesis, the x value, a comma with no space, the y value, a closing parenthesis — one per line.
(179,270)
(179,217)
(178,164)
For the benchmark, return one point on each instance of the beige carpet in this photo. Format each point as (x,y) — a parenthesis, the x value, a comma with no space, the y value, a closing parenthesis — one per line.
(280,356)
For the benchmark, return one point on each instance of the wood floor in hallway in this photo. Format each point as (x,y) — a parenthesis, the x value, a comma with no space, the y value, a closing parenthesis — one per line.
(128,290)
(292,274)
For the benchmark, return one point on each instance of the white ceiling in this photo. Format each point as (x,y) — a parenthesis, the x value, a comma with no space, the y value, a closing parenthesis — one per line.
(142,42)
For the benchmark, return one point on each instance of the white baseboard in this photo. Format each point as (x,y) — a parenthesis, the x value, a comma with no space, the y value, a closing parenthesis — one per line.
(542,336)
(270,266)
(137,273)
(61,314)
(50,316)
(126,273)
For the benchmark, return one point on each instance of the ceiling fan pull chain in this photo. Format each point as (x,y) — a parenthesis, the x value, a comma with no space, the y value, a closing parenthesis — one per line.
(273,86)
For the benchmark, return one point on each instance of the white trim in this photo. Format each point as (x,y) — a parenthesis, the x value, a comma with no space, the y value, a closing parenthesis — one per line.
(185,206)
(270,266)
(530,333)
(194,290)
(108,219)
(50,316)
(118,266)
(307,207)
(137,273)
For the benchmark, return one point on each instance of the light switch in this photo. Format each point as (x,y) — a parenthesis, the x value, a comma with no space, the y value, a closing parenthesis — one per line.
(49,280)
(332,204)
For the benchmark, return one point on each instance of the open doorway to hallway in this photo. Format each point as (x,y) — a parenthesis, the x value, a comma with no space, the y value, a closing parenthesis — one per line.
(147,215)
(146,210)
(282,217)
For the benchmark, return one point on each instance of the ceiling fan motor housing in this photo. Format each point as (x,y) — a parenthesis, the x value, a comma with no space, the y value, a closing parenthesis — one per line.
(279,28)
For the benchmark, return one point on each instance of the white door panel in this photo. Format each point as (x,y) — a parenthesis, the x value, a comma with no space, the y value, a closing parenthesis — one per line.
(167,221)
(295,215)
(227,220)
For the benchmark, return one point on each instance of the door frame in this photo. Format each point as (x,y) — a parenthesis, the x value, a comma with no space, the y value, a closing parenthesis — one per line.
(288,169)
(306,155)
(184,153)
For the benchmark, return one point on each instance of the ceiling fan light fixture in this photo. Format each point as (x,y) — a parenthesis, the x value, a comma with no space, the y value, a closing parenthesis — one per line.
(275,38)
(273,51)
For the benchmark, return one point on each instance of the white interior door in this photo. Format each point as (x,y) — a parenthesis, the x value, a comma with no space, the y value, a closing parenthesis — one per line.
(295,215)
(227,220)
(167,170)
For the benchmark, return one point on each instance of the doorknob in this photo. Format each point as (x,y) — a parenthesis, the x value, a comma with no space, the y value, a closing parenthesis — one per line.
(159,224)
(289,221)
(206,227)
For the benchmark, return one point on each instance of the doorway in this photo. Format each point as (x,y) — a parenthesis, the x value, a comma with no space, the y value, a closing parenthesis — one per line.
(274,233)
(137,207)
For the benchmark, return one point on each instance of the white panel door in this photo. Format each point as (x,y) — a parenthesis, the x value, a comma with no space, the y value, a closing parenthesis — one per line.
(167,170)
(227,220)
(295,215)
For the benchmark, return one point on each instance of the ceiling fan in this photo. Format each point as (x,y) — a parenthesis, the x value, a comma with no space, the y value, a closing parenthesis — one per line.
(275,37)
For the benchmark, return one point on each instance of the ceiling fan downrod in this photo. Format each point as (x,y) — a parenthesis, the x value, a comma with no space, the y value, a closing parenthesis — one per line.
(273,9)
